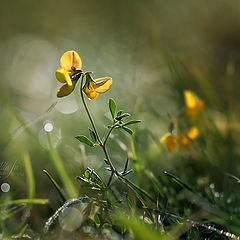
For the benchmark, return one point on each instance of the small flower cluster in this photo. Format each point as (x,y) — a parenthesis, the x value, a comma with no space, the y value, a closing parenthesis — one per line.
(193,106)
(71,71)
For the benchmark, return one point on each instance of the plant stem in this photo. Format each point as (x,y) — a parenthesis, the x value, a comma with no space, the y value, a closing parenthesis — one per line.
(105,142)
(103,145)
(89,114)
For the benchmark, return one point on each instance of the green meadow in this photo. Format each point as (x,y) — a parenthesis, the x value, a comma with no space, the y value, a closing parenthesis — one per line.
(120,120)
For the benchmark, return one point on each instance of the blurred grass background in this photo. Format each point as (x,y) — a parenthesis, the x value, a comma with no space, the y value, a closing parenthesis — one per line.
(153,50)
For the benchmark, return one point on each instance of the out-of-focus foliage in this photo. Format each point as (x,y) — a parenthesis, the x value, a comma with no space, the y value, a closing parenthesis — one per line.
(154,51)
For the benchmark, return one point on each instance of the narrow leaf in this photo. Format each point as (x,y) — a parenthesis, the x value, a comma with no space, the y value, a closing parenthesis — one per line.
(84,139)
(105,160)
(82,179)
(112,107)
(119,118)
(27,201)
(128,130)
(55,185)
(87,174)
(131,122)
(119,113)
(30,176)
(126,165)
(179,181)
(92,135)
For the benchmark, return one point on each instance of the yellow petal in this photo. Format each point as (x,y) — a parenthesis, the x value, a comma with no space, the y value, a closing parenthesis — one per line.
(64,91)
(193,132)
(90,91)
(183,140)
(193,112)
(164,137)
(70,59)
(62,76)
(102,84)
(190,99)
(170,141)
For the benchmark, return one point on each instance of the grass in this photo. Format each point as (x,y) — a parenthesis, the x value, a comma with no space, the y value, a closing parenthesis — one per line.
(189,193)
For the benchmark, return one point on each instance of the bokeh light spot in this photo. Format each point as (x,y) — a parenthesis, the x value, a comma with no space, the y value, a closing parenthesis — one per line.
(5,187)
(70,219)
(48,126)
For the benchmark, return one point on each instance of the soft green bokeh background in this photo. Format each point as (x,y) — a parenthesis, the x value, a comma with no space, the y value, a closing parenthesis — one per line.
(137,43)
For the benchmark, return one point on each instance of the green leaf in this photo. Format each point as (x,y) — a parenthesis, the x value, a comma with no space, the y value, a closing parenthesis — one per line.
(131,122)
(179,181)
(106,161)
(87,174)
(92,135)
(119,118)
(128,130)
(55,185)
(82,179)
(119,113)
(84,139)
(112,107)
(26,201)
(97,218)
(29,175)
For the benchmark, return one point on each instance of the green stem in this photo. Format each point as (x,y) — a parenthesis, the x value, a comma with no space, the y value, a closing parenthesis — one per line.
(105,142)
(89,114)
(103,145)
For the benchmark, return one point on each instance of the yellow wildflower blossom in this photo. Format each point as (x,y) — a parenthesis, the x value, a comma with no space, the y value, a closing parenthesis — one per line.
(100,85)
(70,60)
(170,141)
(181,140)
(184,140)
(193,104)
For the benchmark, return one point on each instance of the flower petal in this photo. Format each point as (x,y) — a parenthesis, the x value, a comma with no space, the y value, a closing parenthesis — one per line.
(171,142)
(190,99)
(90,91)
(193,132)
(101,85)
(62,76)
(183,140)
(164,137)
(64,91)
(70,59)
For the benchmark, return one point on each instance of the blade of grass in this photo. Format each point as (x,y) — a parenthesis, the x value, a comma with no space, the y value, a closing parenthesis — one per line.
(29,175)
(61,194)
(179,181)
(141,231)
(13,211)
(27,201)
(57,161)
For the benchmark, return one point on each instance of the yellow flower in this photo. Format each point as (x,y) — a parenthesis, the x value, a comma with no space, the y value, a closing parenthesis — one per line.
(184,140)
(181,140)
(100,85)
(170,141)
(70,60)
(193,104)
